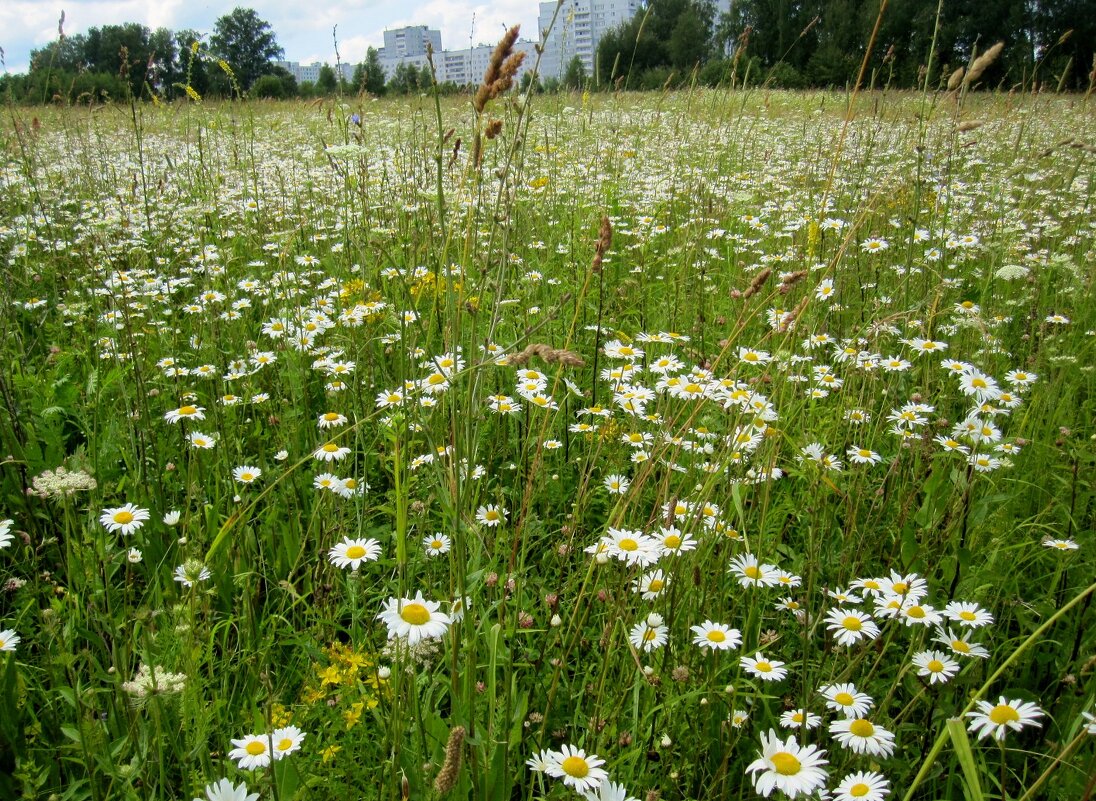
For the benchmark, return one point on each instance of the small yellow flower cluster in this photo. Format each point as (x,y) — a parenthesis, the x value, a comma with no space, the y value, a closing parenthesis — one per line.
(346,667)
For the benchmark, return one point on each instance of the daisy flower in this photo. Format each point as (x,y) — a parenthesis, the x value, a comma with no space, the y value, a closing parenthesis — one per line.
(1090,723)
(9,639)
(579,771)
(796,718)
(436,544)
(851,625)
(246,474)
(862,786)
(960,643)
(286,740)
(649,634)
(859,455)
(126,519)
(352,552)
(762,668)
(185,413)
(330,452)
(862,736)
(331,420)
(5,533)
(786,766)
(491,515)
(616,484)
(936,666)
(251,752)
(414,619)
(673,541)
(224,790)
(651,584)
(609,791)
(716,636)
(540,761)
(997,719)
(967,614)
(751,573)
(631,547)
(846,699)
(191,572)
(200,441)
(1061,545)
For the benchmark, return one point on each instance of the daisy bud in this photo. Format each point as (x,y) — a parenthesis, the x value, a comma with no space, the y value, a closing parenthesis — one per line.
(601,559)
(666,742)
(556,621)
(384,672)
(648,670)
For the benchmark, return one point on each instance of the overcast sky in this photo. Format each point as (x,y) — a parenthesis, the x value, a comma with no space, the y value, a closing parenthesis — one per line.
(302,28)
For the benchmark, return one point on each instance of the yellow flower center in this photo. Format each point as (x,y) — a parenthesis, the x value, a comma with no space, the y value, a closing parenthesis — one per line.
(247,476)
(845,699)
(764,667)
(900,587)
(186,411)
(492,515)
(255,747)
(979,383)
(752,571)
(415,614)
(285,744)
(437,544)
(785,764)
(656,585)
(861,728)
(915,612)
(628,544)
(331,417)
(935,665)
(351,483)
(330,447)
(965,615)
(960,646)
(650,634)
(123,517)
(1002,714)
(575,766)
(355,552)
(852,623)
(859,790)
(716,635)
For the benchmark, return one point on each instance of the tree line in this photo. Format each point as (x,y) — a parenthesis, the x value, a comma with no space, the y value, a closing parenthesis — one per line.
(821,43)
(788,43)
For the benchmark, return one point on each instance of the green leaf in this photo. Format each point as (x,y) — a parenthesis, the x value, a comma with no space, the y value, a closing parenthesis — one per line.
(958,733)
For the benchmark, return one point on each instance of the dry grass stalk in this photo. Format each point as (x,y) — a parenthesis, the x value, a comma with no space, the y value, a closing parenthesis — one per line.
(982,63)
(450,769)
(604,239)
(955,79)
(501,70)
(969,125)
(548,354)
(757,283)
(791,280)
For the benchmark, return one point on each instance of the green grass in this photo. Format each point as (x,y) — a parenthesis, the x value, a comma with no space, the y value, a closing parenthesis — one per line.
(141,244)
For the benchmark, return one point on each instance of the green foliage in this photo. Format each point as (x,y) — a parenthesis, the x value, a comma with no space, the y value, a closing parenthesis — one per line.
(247,43)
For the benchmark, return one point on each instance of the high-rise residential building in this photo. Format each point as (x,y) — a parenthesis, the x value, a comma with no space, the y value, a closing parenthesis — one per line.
(408,46)
(578,29)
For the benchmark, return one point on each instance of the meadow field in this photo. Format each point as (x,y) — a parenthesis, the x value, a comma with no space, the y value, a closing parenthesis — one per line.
(694,445)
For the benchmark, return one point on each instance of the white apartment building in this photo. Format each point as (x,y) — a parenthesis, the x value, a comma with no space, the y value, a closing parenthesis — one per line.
(577,31)
(311,72)
(467,66)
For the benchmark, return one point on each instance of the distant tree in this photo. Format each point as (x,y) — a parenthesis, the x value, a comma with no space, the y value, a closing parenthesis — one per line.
(247,43)
(268,87)
(404,80)
(373,73)
(575,75)
(326,83)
